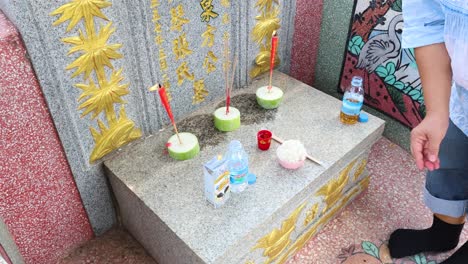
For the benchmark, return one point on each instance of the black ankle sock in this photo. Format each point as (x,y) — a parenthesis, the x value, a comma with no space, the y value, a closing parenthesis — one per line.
(440,237)
(459,257)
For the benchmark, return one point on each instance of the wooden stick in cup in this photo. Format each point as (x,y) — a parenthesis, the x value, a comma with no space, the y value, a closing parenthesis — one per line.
(275,138)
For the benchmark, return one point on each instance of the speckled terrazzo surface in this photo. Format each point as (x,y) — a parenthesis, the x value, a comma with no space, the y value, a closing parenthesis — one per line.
(39,201)
(394,200)
(115,246)
(333,38)
(366,222)
(306,39)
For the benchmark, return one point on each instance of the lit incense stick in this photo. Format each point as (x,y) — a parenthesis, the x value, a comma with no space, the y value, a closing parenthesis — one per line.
(163,96)
(232,80)
(274,43)
(227,64)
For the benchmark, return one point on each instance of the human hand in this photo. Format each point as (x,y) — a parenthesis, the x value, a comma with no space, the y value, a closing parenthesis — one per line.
(426,139)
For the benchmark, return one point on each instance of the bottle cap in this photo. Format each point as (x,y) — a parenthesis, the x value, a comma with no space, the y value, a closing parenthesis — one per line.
(356,81)
(252,178)
(363,118)
(235,144)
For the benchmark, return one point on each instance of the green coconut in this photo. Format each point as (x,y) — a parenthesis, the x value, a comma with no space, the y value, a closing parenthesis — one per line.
(227,122)
(187,150)
(269,99)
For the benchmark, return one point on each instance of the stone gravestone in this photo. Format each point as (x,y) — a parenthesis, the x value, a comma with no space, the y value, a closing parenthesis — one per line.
(162,201)
(95,60)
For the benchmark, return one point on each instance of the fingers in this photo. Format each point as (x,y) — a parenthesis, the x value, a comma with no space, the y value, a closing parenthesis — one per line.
(433,149)
(425,142)
(417,146)
(429,165)
(425,156)
(430,162)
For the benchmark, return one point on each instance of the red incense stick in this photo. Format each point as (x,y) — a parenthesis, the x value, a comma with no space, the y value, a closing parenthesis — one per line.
(274,44)
(226,74)
(228,101)
(167,106)
(227,68)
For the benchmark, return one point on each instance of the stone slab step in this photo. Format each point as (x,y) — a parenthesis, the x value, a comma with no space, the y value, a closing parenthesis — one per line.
(162,201)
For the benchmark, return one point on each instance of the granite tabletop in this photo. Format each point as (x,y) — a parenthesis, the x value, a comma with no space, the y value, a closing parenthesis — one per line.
(174,190)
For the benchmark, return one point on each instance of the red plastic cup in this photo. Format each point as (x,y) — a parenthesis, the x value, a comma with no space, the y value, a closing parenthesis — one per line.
(264,139)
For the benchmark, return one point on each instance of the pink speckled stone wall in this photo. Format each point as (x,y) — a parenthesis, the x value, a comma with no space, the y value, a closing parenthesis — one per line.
(306,39)
(39,201)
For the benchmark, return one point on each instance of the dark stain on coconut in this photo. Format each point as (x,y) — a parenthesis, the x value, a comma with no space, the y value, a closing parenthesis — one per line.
(203,127)
(251,112)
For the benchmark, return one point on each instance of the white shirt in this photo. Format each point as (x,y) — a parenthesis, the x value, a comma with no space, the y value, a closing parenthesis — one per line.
(428,22)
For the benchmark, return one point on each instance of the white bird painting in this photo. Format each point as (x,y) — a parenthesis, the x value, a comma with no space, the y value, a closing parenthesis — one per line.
(381,48)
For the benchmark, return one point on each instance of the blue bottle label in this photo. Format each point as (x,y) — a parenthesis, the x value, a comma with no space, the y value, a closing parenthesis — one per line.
(352,104)
(239,177)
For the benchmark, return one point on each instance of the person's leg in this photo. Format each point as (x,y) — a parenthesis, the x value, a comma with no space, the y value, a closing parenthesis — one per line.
(446,195)
(451,220)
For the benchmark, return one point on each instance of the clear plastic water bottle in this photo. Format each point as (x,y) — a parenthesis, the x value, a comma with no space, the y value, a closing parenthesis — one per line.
(353,100)
(238,165)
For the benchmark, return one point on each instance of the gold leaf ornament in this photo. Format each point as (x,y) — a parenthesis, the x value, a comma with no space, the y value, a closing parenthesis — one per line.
(120,131)
(279,239)
(262,61)
(76,10)
(102,99)
(360,169)
(365,183)
(95,52)
(266,5)
(299,244)
(333,190)
(267,22)
(311,214)
(323,220)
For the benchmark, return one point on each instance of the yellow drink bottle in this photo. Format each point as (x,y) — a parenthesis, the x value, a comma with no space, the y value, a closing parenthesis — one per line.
(353,100)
